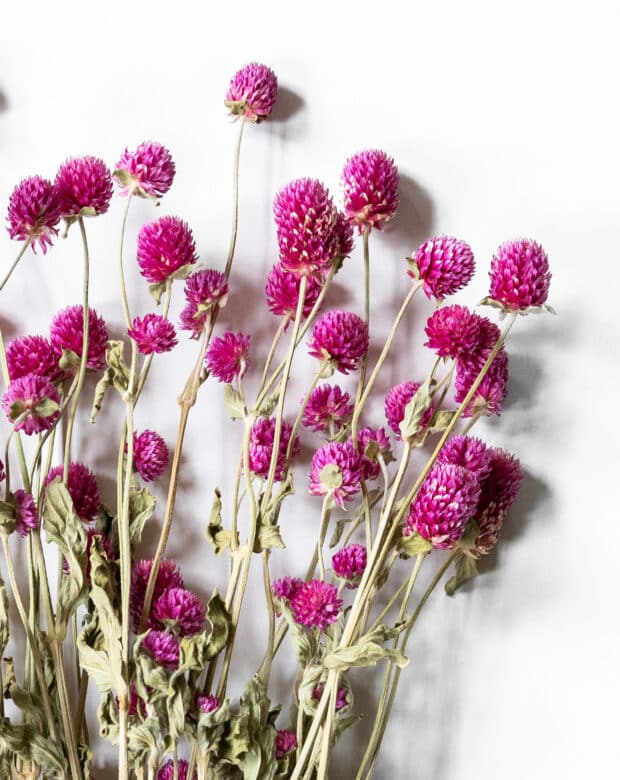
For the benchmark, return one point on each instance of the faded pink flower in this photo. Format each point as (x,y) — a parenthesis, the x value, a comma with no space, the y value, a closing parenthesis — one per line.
(370,184)
(66,332)
(252,92)
(153,333)
(341,338)
(227,356)
(82,487)
(343,236)
(150,168)
(453,331)
(491,392)
(286,741)
(168,576)
(31,355)
(150,454)
(282,292)
(164,246)
(167,770)
(372,442)
(261,447)
(206,703)
(342,696)
(396,402)
(337,470)
(349,563)
(26,516)
(286,587)
(520,275)
(207,288)
(35,397)
(467,451)
(83,183)
(34,212)
(329,406)
(316,604)
(163,647)
(445,265)
(180,611)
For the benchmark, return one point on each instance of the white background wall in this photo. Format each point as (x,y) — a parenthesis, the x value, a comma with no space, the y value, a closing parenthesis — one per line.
(503,120)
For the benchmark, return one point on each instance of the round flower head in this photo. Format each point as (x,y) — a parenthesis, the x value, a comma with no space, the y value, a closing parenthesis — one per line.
(453,331)
(167,770)
(66,332)
(163,647)
(491,392)
(370,184)
(444,505)
(445,265)
(181,611)
(337,470)
(207,288)
(490,523)
(168,576)
(520,275)
(286,587)
(82,487)
(349,563)
(34,212)
(342,696)
(316,604)
(31,355)
(372,442)
(149,170)
(282,292)
(26,517)
(150,455)
(341,338)
(503,481)
(343,236)
(164,246)
(153,333)
(227,356)
(467,451)
(261,446)
(396,402)
(207,704)
(35,399)
(252,92)
(286,741)
(305,219)
(84,186)
(329,407)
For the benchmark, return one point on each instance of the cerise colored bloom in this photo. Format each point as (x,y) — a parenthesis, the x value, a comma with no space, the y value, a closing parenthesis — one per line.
(36,399)
(520,275)
(343,236)
(150,169)
(491,391)
(342,696)
(206,703)
(444,505)
(316,604)
(164,246)
(341,338)
(31,355)
(82,487)
(153,333)
(180,610)
(396,402)
(370,183)
(337,470)
(26,517)
(445,265)
(453,331)
(329,406)
(349,563)
(286,587)
(282,292)
(372,442)
(207,288)
(66,332)
(468,452)
(150,454)
(34,212)
(83,183)
(286,741)
(168,576)
(167,770)
(163,647)
(227,356)
(252,92)
(261,447)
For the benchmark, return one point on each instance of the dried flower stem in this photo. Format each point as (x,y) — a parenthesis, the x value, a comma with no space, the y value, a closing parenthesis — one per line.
(325,515)
(272,350)
(121,272)
(235,218)
(364,362)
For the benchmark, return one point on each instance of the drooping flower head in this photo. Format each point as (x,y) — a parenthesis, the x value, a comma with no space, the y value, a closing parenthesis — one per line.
(167,770)
(343,236)
(444,505)
(168,576)
(282,292)
(370,185)
(34,399)
(153,333)
(337,470)
(66,332)
(164,246)
(453,331)
(252,92)
(371,443)
(467,451)
(206,703)
(150,455)
(262,438)
(286,741)
(180,611)
(349,563)
(329,406)
(342,696)
(82,487)
(520,275)
(396,402)
(341,338)
(31,355)
(491,392)
(26,516)
(148,170)
(444,264)
(163,647)
(84,186)
(227,356)
(34,212)
(316,604)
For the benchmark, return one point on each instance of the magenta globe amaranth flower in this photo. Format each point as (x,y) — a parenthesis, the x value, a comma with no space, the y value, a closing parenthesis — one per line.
(453,331)
(227,356)
(32,403)
(520,275)
(396,403)
(349,563)
(492,390)
(282,292)
(342,696)
(181,611)
(444,264)
(165,246)
(252,92)
(343,236)
(153,333)
(66,333)
(371,444)
(286,587)
(82,487)
(205,291)
(207,703)
(26,515)
(316,604)
(262,437)
(168,576)
(163,647)
(31,355)
(150,455)
(149,170)
(84,187)
(337,470)
(329,407)
(167,770)
(341,339)
(286,742)
(370,185)
(34,212)
(467,451)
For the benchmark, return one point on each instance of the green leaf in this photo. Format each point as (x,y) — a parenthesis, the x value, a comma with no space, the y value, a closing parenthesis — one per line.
(233,401)
(217,537)
(184,271)
(46,407)
(331,476)
(7,515)
(441,420)
(268,537)
(100,390)
(157,290)
(303,640)
(310,678)
(26,743)
(468,540)
(212,726)
(368,650)
(141,507)
(464,570)
(124,177)
(413,267)
(69,360)
(415,410)
(107,715)
(339,530)
(269,404)
(144,739)
(410,546)
(28,703)
(220,620)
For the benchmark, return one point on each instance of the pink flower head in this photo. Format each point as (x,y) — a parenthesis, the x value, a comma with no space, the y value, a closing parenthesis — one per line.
(444,505)
(520,275)
(168,576)
(305,219)
(31,355)
(467,451)
(316,604)
(163,647)
(337,470)
(445,265)
(286,741)
(34,212)
(150,455)
(349,563)
(341,338)
(396,402)
(343,236)
(261,447)
(66,332)
(83,183)
(372,442)
(153,333)
(503,481)
(149,170)
(453,331)
(82,487)
(167,770)
(252,92)
(342,696)
(207,288)
(370,184)
(35,397)
(491,392)
(286,587)
(207,704)
(282,292)
(227,356)
(329,406)
(26,518)
(164,246)
(181,611)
